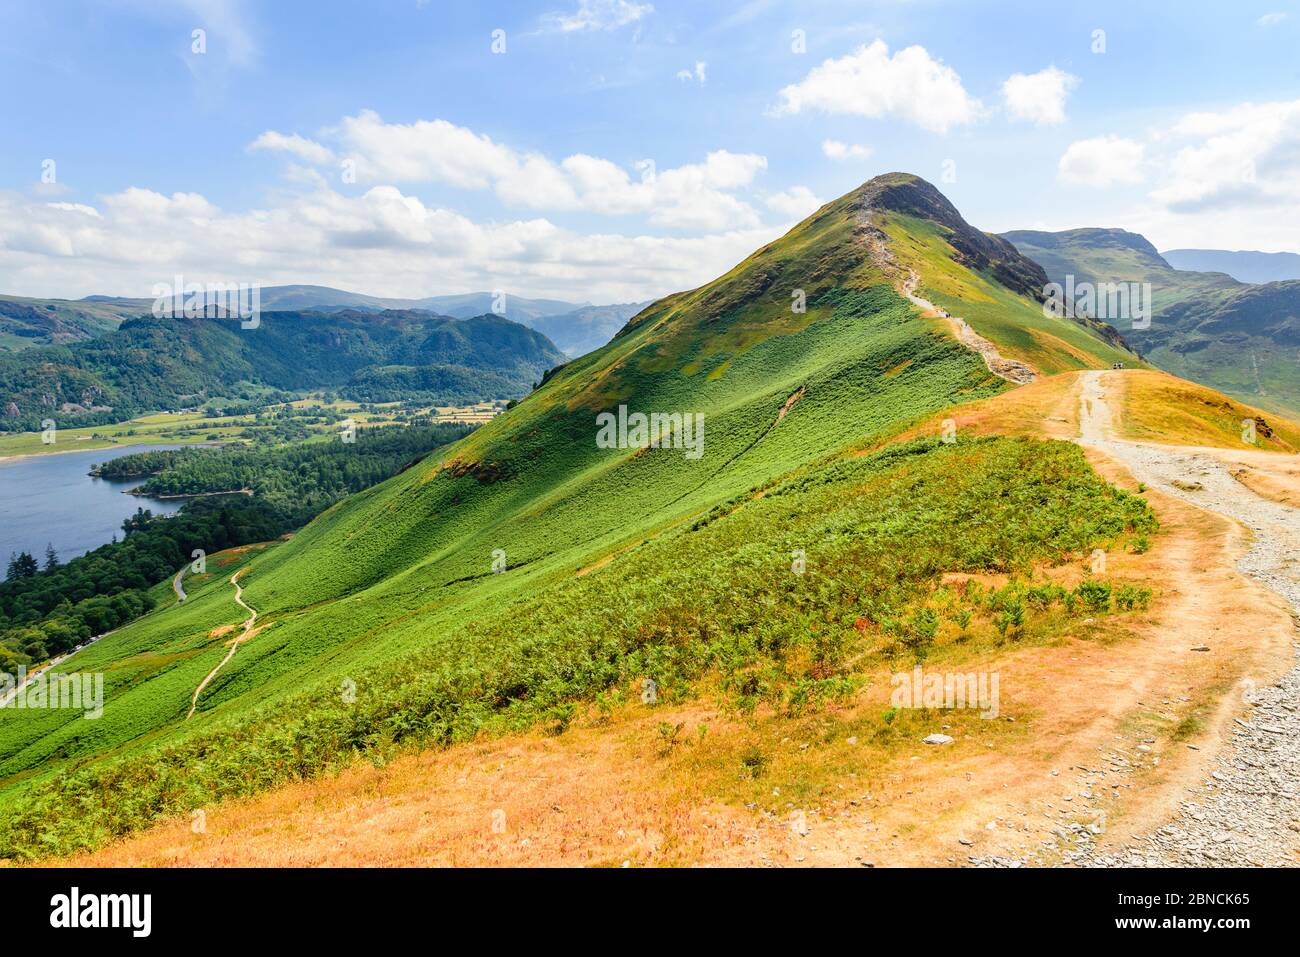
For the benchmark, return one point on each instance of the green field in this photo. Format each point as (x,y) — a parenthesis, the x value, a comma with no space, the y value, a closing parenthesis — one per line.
(189,428)
(384,625)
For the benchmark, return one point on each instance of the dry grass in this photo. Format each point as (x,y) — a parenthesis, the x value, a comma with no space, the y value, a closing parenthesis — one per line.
(1158,407)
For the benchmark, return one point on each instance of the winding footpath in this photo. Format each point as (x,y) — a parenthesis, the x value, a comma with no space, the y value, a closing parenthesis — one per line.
(234,645)
(1010,369)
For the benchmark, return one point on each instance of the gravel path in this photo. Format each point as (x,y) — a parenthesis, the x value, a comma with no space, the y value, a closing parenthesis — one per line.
(1247,811)
(1012,370)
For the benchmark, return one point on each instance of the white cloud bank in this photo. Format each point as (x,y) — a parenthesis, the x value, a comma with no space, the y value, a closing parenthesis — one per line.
(695,196)
(382,242)
(1228,178)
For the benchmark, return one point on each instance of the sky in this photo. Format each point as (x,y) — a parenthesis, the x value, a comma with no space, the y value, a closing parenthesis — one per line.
(612,150)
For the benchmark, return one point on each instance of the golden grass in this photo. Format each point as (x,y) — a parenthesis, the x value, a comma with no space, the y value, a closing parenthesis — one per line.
(1158,407)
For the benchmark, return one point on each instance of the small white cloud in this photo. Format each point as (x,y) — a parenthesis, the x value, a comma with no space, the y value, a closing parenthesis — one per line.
(796,202)
(300,146)
(1038,97)
(698,74)
(598,15)
(1102,161)
(869,82)
(1270,19)
(836,150)
(76,208)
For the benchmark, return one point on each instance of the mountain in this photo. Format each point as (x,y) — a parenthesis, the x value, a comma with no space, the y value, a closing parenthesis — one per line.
(151,363)
(586,328)
(26,323)
(557,556)
(1238,338)
(574,327)
(1242,265)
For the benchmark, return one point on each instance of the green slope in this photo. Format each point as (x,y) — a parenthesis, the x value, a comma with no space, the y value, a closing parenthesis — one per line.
(26,323)
(384,623)
(1238,338)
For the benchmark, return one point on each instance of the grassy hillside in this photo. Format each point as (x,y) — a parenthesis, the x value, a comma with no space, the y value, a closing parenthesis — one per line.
(1237,338)
(1158,407)
(27,323)
(1013,321)
(384,622)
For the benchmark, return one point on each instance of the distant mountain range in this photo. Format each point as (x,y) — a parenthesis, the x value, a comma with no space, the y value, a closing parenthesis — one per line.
(150,363)
(575,328)
(1237,337)
(1242,265)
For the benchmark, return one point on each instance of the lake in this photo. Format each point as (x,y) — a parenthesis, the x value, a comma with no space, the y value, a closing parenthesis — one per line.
(51,499)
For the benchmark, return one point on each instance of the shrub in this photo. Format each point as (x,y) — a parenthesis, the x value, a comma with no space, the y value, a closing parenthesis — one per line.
(1094,595)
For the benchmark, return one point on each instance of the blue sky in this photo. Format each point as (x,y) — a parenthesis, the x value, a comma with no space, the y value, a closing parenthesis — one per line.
(385,147)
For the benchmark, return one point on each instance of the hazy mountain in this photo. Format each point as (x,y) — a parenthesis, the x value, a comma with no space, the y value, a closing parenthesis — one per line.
(575,327)
(578,332)
(1242,265)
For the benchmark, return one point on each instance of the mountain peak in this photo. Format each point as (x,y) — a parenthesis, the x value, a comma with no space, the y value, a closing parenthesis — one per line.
(906,194)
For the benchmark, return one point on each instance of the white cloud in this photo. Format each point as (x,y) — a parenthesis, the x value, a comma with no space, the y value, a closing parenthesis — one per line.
(869,82)
(1102,161)
(1271,19)
(1038,97)
(698,74)
(382,241)
(598,15)
(76,208)
(299,146)
(424,151)
(1248,155)
(797,202)
(836,150)
(1226,178)
(692,196)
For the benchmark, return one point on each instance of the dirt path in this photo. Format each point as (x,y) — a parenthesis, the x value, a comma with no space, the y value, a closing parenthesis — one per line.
(1247,810)
(176,584)
(1010,369)
(234,644)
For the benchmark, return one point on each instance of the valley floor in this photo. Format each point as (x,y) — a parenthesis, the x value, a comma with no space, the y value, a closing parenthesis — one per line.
(1135,746)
